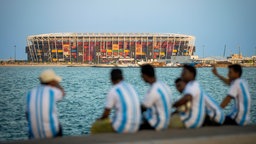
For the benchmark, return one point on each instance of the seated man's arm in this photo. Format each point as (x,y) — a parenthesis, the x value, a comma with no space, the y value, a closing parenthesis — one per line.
(105,114)
(226,101)
(186,98)
(57,85)
(143,108)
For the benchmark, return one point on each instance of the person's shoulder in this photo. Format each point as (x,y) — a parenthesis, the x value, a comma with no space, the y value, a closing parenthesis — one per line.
(54,89)
(126,84)
(238,81)
(113,89)
(163,85)
(192,87)
(34,89)
(116,86)
(242,80)
(159,84)
(155,85)
(193,84)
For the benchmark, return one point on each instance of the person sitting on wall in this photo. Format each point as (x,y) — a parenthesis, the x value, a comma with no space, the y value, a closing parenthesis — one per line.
(156,106)
(214,113)
(238,92)
(191,106)
(41,110)
(124,99)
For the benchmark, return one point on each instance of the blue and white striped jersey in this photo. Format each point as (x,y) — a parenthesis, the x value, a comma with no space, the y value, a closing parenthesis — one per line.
(158,104)
(241,110)
(213,110)
(42,112)
(124,99)
(194,117)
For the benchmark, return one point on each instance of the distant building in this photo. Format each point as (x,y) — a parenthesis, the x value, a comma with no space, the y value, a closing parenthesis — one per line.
(104,47)
(236,56)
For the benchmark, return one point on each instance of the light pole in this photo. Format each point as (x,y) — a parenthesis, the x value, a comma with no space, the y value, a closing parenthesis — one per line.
(14,53)
(203,50)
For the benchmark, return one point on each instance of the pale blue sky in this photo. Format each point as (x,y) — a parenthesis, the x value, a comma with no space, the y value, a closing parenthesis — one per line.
(214,23)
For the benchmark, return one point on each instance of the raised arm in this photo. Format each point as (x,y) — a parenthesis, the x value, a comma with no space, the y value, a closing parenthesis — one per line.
(57,85)
(215,72)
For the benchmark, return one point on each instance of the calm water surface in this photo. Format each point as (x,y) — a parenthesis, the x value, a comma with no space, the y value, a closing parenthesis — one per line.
(86,89)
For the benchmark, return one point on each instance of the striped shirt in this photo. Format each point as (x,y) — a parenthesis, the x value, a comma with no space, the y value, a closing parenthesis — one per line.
(194,117)
(158,104)
(241,110)
(124,99)
(213,110)
(42,111)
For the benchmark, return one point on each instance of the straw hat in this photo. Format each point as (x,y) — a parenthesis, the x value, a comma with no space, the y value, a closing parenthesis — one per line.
(48,76)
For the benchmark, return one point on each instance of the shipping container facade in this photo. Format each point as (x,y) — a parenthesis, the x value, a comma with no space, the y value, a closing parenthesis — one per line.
(104,47)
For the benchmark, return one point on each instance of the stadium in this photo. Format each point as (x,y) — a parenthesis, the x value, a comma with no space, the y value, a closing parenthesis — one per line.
(106,47)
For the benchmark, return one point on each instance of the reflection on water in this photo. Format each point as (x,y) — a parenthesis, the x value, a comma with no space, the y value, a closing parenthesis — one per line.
(86,89)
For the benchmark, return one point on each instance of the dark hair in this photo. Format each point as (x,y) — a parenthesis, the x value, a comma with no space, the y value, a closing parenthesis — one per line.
(148,70)
(190,69)
(237,68)
(116,74)
(177,80)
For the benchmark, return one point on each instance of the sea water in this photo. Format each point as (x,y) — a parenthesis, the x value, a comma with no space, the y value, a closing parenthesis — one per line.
(86,89)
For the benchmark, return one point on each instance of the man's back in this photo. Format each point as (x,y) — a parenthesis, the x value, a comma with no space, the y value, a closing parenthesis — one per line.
(194,117)
(158,102)
(42,112)
(241,110)
(125,100)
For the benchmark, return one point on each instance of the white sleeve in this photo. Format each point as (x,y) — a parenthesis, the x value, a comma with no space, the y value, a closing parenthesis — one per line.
(149,98)
(233,91)
(57,94)
(110,101)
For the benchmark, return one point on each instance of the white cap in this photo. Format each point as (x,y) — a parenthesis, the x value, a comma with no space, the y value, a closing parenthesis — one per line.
(48,76)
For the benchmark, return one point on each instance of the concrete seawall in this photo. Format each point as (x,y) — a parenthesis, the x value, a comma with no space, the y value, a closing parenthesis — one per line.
(209,135)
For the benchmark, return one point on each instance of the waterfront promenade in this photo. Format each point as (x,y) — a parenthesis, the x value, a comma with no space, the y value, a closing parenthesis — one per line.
(97,65)
(208,135)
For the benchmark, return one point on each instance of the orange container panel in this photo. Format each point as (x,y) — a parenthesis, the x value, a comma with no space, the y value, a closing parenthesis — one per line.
(115,47)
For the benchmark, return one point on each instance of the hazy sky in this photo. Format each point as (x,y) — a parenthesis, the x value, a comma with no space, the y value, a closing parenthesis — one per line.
(214,23)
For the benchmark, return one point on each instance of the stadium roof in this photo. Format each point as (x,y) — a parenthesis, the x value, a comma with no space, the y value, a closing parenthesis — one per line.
(111,35)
